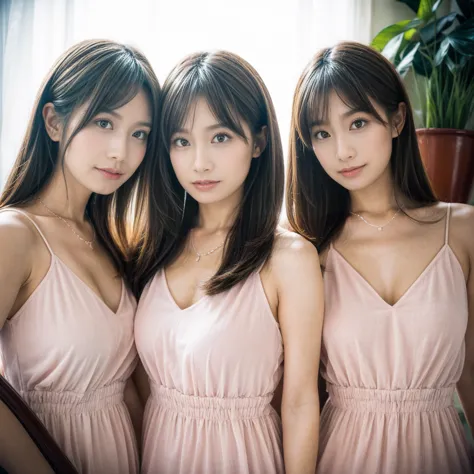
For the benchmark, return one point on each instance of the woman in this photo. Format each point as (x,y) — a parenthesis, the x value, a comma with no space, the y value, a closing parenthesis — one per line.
(225,290)
(399,290)
(66,314)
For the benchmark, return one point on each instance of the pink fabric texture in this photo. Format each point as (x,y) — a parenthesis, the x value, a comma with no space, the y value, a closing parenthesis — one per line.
(213,368)
(391,372)
(69,356)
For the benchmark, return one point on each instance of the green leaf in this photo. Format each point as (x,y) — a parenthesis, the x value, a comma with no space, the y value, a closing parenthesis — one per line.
(425,11)
(462,38)
(407,61)
(442,51)
(410,34)
(421,64)
(413,4)
(390,32)
(429,32)
(393,47)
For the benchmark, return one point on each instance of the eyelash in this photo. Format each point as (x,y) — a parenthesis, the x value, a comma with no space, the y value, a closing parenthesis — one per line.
(365,121)
(99,121)
(222,135)
(177,139)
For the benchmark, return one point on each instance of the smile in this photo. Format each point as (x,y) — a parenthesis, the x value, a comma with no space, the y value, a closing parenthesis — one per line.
(351,172)
(205,184)
(110,173)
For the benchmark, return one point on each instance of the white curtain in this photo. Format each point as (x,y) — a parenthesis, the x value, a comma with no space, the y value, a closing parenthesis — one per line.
(278,37)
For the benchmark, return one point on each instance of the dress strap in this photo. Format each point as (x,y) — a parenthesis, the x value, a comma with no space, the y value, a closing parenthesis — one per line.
(23,213)
(448,215)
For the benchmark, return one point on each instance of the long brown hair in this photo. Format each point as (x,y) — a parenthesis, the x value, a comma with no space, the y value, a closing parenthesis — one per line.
(317,206)
(235,93)
(104,75)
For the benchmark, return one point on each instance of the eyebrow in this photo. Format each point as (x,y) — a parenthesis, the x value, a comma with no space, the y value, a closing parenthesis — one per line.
(210,128)
(350,112)
(119,116)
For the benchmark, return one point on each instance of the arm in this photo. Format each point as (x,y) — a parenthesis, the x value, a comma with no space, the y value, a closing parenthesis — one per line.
(465,385)
(18,453)
(300,313)
(16,242)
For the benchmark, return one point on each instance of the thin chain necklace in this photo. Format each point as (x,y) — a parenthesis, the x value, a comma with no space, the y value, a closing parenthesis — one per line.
(378,227)
(199,255)
(89,243)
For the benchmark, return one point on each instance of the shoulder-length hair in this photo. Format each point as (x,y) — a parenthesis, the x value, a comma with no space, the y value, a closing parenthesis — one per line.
(236,94)
(104,75)
(317,206)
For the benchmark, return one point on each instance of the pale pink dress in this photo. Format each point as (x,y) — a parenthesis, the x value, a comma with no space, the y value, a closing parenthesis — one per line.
(391,372)
(213,369)
(69,356)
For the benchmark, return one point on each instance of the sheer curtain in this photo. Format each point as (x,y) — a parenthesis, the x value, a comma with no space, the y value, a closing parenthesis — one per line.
(278,37)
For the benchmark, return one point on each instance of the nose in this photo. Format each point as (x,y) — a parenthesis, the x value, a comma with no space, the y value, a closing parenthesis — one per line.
(344,150)
(201,163)
(118,147)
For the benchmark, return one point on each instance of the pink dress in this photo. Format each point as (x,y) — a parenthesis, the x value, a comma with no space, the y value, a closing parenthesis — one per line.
(213,369)
(391,372)
(69,356)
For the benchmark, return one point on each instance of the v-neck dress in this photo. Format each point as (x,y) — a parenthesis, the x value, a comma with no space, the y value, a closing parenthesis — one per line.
(391,372)
(213,369)
(69,356)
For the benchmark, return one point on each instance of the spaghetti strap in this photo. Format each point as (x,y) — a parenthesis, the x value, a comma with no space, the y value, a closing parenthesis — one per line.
(448,215)
(23,213)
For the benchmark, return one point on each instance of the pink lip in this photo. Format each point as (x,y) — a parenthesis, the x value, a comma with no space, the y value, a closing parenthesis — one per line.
(110,173)
(205,184)
(351,172)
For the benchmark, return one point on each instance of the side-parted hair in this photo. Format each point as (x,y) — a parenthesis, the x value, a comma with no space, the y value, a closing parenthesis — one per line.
(104,75)
(317,206)
(235,94)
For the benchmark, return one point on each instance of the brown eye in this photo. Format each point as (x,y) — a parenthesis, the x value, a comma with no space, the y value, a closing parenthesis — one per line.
(359,123)
(321,135)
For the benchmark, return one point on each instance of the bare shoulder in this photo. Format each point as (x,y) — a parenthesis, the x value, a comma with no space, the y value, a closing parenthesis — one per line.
(289,244)
(462,225)
(293,254)
(17,237)
(15,229)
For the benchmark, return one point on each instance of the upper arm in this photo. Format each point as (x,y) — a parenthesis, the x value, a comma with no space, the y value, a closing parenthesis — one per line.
(16,242)
(18,453)
(300,313)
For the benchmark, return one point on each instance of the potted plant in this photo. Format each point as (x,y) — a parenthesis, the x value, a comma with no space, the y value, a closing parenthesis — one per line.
(439,50)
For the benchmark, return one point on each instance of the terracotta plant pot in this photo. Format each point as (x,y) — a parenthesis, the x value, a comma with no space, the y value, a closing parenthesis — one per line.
(448,155)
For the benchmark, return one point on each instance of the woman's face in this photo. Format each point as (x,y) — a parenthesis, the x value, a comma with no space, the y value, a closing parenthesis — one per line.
(352,146)
(108,150)
(211,161)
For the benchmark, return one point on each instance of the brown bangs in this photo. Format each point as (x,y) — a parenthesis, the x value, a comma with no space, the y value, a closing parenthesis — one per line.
(313,105)
(201,83)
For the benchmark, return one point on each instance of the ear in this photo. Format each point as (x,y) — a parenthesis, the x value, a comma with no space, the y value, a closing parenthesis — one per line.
(52,122)
(260,142)
(398,119)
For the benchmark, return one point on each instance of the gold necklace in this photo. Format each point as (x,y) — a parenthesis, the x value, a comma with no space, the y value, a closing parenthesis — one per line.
(89,243)
(199,255)
(378,227)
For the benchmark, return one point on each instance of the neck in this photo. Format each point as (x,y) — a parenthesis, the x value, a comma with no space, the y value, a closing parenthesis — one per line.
(66,197)
(378,198)
(218,217)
